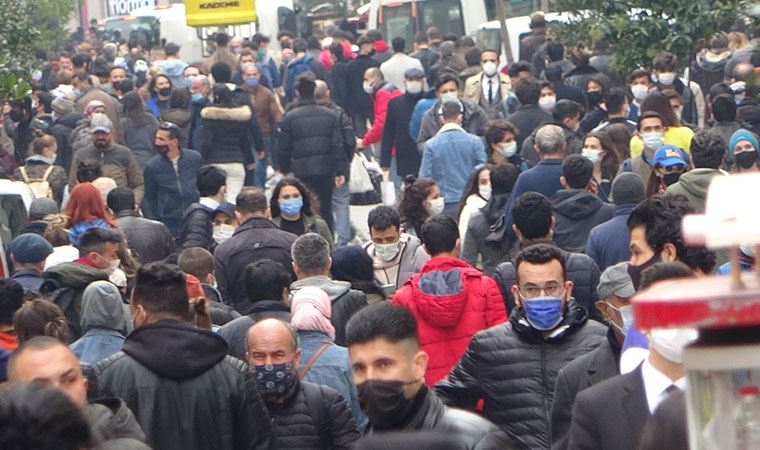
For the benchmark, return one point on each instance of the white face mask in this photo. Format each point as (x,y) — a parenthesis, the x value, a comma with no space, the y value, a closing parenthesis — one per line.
(666,78)
(388,252)
(591,154)
(413,87)
(434,207)
(485,191)
(113,266)
(508,149)
(670,342)
(653,140)
(489,68)
(547,103)
(223,232)
(449,97)
(368,88)
(639,92)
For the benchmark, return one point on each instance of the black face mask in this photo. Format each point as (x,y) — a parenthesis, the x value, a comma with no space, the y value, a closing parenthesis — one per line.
(635,271)
(16,115)
(165,92)
(383,402)
(161,149)
(671,178)
(745,160)
(594,98)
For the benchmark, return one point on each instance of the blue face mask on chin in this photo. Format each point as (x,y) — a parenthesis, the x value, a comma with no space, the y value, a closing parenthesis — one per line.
(543,313)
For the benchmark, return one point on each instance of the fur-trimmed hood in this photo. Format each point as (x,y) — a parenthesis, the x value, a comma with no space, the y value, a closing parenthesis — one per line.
(236,113)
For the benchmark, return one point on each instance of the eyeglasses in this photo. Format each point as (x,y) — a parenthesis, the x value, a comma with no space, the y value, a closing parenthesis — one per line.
(550,290)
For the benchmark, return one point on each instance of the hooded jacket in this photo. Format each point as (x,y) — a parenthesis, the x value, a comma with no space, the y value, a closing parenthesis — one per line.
(118,162)
(474,121)
(451,301)
(413,256)
(104,323)
(64,284)
(173,69)
(576,212)
(227,134)
(513,368)
(708,68)
(114,425)
(693,185)
(344,300)
(177,379)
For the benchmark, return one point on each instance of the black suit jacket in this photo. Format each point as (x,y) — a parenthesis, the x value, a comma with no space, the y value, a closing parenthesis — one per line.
(588,370)
(610,415)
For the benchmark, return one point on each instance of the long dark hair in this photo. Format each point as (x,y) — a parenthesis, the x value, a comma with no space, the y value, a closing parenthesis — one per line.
(134,109)
(152,84)
(619,137)
(310,203)
(471,187)
(610,162)
(660,104)
(411,208)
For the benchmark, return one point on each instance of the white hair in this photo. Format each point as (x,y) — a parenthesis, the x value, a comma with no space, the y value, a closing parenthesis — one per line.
(550,139)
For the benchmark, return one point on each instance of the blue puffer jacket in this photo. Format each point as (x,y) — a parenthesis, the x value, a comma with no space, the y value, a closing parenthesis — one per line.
(79,228)
(168,194)
(332,368)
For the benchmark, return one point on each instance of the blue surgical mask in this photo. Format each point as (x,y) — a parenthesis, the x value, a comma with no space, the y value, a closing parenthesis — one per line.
(252,82)
(291,206)
(543,313)
(188,82)
(274,380)
(197,98)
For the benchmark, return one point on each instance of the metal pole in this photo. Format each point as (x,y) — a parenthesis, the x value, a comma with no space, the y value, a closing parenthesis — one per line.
(502,15)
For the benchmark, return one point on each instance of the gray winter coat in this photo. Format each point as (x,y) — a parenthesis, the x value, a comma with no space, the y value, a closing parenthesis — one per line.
(413,256)
(474,121)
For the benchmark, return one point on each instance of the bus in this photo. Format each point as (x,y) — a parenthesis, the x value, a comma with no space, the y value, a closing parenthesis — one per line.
(459,17)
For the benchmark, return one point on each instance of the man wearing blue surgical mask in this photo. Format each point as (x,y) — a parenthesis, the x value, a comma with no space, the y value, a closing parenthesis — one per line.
(520,359)
(615,291)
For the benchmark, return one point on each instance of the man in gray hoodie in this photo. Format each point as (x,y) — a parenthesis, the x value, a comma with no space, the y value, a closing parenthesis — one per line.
(105,322)
(311,263)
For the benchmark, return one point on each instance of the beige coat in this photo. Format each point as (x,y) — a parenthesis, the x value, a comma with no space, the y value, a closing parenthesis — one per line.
(473,88)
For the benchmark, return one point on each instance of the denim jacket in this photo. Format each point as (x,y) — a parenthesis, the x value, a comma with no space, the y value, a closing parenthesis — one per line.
(332,368)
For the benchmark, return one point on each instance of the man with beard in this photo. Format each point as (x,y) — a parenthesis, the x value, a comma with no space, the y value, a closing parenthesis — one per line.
(118,162)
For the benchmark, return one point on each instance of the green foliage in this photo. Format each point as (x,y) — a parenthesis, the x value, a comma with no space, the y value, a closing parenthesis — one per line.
(52,16)
(639,29)
(18,40)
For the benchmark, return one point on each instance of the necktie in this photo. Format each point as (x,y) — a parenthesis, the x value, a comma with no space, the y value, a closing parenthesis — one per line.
(670,389)
(490,91)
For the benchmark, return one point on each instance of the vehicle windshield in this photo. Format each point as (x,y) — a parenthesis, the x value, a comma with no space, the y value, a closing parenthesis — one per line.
(444,14)
(143,29)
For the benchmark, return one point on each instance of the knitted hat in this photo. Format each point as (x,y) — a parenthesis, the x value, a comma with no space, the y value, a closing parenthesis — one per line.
(62,106)
(742,135)
(628,189)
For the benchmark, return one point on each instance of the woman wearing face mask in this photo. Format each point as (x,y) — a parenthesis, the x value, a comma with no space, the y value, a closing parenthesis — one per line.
(40,166)
(674,134)
(598,149)
(178,113)
(420,199)
(85,210)
(476,194)
(293,210)
(669,163)
(597,86)
(501,144)
(743,150)
(160,89)
(139,128)
(484,237)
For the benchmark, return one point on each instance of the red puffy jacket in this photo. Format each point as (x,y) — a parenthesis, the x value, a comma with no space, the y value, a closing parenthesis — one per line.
(451,301)
(383,96)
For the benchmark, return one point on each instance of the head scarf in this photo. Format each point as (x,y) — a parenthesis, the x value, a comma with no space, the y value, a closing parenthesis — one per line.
(311,310)
(742,135)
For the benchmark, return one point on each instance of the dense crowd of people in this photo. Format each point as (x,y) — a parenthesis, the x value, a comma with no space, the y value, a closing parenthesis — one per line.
(181,270)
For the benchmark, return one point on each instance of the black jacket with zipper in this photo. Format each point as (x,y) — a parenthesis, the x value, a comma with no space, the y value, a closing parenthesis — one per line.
(513,368)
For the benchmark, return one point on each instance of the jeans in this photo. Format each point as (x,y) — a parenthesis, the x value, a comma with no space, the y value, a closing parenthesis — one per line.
(341,198)
(235,179)
(260,172)
(322,187)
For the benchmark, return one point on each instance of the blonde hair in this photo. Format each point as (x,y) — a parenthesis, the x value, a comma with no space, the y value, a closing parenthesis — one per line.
(41,141)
